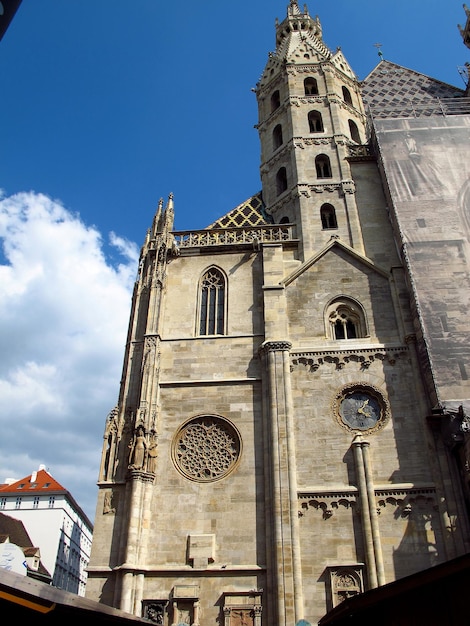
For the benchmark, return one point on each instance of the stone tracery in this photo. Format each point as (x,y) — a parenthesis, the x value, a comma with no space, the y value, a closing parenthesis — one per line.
(206,449)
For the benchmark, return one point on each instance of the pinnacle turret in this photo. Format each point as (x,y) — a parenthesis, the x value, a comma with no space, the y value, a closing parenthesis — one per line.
(298,25)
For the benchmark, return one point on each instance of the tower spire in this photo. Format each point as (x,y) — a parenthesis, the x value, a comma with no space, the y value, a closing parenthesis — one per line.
(296,27)
(294,8)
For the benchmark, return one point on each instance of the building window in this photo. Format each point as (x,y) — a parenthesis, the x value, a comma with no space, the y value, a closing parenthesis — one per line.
(51,502)
(347,95)
(284,220)
(3,502)
(354,131)
(212,303)
(281,180)
(36,502)
(345,319)
(328,217)
(277,137)
(206,448)
(323,167)
(310,86)
(275,100)
(315,122)
(18,503)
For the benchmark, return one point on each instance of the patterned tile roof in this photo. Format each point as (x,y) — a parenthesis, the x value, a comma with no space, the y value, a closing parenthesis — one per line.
(391,86)
(248,213)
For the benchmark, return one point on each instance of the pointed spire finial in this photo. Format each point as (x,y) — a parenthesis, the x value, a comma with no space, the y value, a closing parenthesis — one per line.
(156,218)
(293,8)
(169,214)
(379,51)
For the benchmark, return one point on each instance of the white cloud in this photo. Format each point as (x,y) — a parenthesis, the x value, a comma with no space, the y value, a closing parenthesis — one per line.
(64,308)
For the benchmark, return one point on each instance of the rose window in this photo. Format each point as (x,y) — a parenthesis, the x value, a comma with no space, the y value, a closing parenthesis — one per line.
(206,448)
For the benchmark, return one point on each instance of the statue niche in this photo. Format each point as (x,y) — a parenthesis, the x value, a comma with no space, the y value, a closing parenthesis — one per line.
(143,451)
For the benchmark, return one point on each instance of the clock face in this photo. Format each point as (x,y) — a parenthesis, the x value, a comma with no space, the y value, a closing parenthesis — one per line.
(360,410)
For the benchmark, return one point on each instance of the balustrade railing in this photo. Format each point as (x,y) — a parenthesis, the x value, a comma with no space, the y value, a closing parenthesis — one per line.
(252,235)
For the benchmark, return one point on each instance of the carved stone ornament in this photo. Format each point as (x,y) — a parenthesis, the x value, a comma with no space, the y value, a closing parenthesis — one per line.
(326,503)
(359,359)
(276,346)
(206,448)
(361,407)
(348,186)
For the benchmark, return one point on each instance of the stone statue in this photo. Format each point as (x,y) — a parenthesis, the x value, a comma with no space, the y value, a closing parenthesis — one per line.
(139,450)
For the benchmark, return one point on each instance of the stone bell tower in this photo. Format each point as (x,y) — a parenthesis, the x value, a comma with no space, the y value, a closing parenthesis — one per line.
(310,112)
(270,455)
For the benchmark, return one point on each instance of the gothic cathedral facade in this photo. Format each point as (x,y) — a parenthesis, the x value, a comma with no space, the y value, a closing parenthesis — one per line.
(290,431)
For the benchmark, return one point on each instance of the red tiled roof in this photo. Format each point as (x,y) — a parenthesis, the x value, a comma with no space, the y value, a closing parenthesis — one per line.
(43,483)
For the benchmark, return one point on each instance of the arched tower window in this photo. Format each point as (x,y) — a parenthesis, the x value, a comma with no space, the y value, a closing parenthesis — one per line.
(328,217)
(323,166)
(212,303)
(354,131)
(275,100)
(315,122)
(310,86)
(345,319)
(281,180)
(284,220)
(347,95)
(277,137)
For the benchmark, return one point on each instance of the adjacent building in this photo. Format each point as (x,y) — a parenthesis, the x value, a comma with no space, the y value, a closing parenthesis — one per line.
(14,538)
(291,428)
(56,525)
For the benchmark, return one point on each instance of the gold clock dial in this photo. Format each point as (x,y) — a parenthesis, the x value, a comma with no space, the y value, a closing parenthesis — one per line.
(360,410)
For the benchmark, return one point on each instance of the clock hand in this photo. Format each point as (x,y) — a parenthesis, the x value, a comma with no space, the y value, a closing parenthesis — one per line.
(361,408)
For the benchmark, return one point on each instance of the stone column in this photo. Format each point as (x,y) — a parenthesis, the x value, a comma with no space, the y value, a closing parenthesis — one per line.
(370,522)
(281,496)
(365,512)
(374,518)
(135,540)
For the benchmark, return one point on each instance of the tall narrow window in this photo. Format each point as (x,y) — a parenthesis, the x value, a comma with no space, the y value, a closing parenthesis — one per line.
(354,131)
(328,217)
(212,306)
(281,180)
(315,122)
(275,100)
(347,95)
(310,86)
(277,137)
(323,167)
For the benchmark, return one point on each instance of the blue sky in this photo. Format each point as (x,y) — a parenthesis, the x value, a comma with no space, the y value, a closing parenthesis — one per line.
(107,105)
